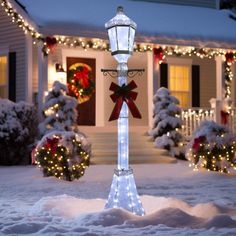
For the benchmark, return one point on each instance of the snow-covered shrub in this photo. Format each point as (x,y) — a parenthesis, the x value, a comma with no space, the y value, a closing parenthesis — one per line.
(59,110)
(167,122)
(212,147)
(18,129)
(63,154)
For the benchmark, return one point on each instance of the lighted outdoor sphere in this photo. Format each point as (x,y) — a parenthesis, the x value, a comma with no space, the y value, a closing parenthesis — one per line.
(123,192)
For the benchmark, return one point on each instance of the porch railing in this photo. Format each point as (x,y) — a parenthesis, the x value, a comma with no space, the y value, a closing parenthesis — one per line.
(192,117)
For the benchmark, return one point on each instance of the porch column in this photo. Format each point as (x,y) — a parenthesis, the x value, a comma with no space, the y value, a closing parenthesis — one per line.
(29,69)
(150,86)
(219,78)
(42,79)
(216,105)
(233,85)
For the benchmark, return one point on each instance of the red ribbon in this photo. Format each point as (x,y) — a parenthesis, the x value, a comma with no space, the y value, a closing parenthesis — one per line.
(52,144)
(122,94)
(197,142)
(158,54)
(51,42)
(83,77)
(224,117)
(229,56)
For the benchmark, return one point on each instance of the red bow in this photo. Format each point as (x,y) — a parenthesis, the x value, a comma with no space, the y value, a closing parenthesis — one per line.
(83,77)
(224,117)
(229,56)
(52,144)
(158,54)
(51,42)
(197,142)
(124,94)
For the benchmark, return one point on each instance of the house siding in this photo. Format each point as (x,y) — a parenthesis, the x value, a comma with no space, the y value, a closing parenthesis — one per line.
(13,38)
(207,79)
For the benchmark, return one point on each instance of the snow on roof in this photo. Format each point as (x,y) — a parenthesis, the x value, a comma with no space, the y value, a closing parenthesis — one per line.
(157,23)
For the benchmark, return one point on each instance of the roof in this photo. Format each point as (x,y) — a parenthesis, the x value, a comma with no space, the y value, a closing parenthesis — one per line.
(156,22)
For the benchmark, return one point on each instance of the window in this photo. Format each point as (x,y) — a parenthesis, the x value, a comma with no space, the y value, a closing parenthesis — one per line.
(3,77)
(179,83)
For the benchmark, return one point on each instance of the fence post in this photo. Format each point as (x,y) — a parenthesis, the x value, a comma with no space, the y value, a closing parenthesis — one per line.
(216,105)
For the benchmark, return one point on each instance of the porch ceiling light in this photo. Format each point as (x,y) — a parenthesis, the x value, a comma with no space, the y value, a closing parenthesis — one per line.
(121,31)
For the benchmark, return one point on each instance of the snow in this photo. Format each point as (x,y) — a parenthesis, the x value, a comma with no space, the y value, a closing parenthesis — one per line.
(157,23)
(59,110)
(176,200)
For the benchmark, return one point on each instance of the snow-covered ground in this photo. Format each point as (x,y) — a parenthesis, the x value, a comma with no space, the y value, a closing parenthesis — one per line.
(177,201)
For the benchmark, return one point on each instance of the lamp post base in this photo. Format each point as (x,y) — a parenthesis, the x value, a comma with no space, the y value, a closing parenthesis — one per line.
(123,193)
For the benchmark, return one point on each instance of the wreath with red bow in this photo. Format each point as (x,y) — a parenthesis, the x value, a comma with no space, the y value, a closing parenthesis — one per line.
(81,82)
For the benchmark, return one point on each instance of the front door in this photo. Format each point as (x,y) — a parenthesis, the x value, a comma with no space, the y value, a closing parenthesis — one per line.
(81,82)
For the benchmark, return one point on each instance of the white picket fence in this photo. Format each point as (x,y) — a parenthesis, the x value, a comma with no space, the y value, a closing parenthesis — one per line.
(192,117)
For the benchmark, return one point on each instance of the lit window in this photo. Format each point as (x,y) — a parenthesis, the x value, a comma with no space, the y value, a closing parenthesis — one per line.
(3,77)
(179,84)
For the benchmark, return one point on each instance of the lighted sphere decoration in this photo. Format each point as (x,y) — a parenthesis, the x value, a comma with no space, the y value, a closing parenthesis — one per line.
(64,155)
(123,192)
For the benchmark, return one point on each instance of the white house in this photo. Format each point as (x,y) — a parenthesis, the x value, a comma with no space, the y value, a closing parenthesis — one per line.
(193,38)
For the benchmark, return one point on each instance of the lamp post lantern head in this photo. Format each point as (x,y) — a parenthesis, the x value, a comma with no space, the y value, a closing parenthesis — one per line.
(121,31)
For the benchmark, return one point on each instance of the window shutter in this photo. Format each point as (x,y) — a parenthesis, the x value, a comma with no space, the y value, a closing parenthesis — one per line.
(195,86)
(164,75)
(12,76)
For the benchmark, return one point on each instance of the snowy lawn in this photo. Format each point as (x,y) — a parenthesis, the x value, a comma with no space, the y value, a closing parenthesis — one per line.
(177,201)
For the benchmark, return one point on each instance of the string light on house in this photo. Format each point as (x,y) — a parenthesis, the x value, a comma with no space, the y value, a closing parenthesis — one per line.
(19,20)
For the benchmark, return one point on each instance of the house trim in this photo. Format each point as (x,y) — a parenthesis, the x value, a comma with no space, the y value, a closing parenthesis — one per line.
(29,72)
(150,84)
(42,80)
(219,77)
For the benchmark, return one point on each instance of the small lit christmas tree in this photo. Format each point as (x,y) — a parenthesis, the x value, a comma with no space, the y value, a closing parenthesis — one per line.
(59,110)
(167,120)
(212,147)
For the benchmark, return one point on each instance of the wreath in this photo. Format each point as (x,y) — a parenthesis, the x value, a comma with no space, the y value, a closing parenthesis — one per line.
(64,155)
(81,83)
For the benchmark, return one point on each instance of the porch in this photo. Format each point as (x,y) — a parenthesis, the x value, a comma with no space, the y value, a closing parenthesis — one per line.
(141,147)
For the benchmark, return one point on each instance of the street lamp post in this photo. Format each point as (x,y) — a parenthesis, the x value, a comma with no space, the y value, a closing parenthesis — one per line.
(123,192)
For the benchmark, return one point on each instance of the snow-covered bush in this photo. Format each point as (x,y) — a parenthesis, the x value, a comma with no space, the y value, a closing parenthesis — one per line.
(63,154)
(167,122)
(18,129)
(59,110)
(212,147)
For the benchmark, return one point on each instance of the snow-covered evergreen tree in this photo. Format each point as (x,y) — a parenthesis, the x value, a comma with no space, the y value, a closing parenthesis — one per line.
(59,110)
(167,120)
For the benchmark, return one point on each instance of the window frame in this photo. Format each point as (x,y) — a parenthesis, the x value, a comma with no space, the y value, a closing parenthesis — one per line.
(182,62)
(4,52)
